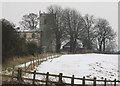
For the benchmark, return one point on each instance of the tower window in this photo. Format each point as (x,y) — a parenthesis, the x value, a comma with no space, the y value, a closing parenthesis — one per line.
(33,35)
(45,21)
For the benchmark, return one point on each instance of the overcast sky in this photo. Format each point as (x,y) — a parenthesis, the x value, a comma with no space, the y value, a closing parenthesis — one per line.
(13,11)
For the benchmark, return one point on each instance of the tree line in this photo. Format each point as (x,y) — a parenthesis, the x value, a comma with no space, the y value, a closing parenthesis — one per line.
(95,34)
(12,44)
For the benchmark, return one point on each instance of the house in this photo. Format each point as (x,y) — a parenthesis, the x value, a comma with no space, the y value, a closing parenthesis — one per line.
(30,35)
(65,47)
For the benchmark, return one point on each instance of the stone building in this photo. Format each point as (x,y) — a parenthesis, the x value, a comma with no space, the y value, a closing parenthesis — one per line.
(44,35)
(47,26)
(31,36)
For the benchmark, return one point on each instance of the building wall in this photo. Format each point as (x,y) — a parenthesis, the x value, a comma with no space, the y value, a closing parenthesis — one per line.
(47,24)
(45,37)
(31,36)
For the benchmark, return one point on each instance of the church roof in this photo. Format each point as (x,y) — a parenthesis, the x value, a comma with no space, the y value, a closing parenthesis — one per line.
(28,30)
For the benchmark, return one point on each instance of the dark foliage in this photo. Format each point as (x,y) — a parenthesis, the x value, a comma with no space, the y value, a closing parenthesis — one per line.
(12,44)
(33,48)
(87,43)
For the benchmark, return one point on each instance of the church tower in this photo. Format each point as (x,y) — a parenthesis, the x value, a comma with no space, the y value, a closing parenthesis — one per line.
(47,25)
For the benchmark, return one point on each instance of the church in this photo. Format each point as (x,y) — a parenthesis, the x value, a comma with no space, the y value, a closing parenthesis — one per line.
(42,36)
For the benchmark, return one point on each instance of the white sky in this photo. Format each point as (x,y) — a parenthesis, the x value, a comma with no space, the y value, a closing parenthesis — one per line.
(13,11)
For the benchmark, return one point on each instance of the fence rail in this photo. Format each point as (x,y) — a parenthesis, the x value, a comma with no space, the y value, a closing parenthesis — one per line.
(20,77)
(34,62)
(19,73)
(30,65)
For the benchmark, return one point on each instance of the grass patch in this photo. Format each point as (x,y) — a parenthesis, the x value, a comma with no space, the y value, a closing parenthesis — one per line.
(20,60)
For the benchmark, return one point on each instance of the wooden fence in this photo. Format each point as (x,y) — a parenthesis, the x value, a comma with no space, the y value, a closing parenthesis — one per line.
(20,73)
(20,76)
(27,66)
(35,62)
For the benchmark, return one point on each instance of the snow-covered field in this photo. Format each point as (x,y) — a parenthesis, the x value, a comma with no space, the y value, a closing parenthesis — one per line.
(8,71)
(88,65)
(28,63)
(92,65)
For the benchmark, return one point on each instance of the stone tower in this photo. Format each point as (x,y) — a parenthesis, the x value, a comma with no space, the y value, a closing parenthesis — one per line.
(46,25)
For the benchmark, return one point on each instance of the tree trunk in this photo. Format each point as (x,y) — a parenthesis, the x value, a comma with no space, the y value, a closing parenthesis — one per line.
(71,44)
(100,46)
(58,43)
(104,45)
(75,45)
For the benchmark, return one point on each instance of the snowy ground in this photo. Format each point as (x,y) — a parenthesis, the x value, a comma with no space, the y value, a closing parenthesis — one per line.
(88,65)
(43,59)
(9,72)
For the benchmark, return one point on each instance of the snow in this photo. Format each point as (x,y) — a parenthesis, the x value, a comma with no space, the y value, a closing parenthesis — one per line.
(28,63)
(92,65)
(82,65)
(66,41)
(23,65)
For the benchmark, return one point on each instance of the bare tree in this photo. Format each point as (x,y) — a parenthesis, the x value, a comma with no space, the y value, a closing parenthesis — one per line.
(58,30)
(88,31)
(111,46)
(29,21)
(74,24)
(104,32)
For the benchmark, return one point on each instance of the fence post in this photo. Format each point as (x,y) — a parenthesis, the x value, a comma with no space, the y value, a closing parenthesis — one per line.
(115,82)
(47,78)
(72,80)
(46,57)
(83,82)
(60,77)
(94,81)
(50,56)
(38,61)
(19,77)
(25,66)
(13,71)
(105,82)
(31,63)
(34,77)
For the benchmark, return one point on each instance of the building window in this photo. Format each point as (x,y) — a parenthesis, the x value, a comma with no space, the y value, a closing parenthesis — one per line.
(45,22)
(33,35)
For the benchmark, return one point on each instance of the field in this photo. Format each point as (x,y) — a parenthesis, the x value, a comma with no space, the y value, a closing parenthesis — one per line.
(92,65)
